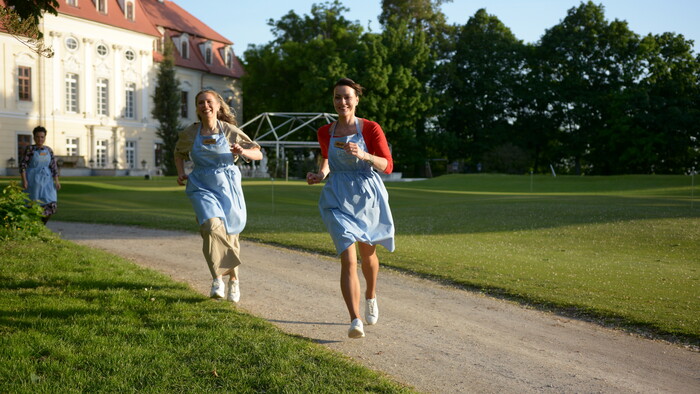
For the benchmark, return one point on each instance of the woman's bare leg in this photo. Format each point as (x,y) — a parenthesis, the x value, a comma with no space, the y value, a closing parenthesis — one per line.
(370,268)
(349,282)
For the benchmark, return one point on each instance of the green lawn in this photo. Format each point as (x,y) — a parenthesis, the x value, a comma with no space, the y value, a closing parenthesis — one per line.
(624,248)
(76,320)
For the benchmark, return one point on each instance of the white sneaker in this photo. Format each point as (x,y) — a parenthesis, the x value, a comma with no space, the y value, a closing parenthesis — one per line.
(217,289)
(233,291)
(356,330)
(371,311)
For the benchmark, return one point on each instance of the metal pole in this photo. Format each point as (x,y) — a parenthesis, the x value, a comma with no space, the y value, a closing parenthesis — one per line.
(692,189)
(272,186)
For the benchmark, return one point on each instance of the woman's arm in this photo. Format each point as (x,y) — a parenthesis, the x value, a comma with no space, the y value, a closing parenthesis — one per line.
(180,165)
(23,163)
(316,177)
(248,153)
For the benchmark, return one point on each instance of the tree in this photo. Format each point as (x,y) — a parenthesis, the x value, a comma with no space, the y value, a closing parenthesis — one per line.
(20,18)
(295,72)
(478,85)
(166,108)
(587,62)
(403,66)
(668,117)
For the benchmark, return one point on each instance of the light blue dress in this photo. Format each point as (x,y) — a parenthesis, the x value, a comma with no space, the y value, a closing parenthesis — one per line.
(214,185)
(354,203)
(41,187)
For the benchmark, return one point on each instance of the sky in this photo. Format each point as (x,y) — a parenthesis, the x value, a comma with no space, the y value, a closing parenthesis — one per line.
(244,22)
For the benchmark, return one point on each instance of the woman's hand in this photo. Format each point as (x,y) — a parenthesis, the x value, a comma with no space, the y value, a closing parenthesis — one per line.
(352,148)
(181,179)
(236,149)
(313,178)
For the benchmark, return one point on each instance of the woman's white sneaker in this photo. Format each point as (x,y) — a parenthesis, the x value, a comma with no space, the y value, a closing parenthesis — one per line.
(371,311)
(217,289)
(356,330)
(234,291)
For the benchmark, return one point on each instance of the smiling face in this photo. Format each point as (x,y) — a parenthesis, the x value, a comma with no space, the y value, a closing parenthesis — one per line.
(345,100)
(208,106)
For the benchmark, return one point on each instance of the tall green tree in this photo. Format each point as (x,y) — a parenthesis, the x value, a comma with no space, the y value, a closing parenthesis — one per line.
(478,86)
(668,119)
(166,108)
(587,60)
(404,99)
(294,72)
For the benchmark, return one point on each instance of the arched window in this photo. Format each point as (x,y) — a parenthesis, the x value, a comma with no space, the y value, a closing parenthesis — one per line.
(184,48)
(229,58)
(130,11)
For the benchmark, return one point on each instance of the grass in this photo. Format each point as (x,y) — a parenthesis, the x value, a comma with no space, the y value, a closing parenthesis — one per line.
(622,249)
(74,319)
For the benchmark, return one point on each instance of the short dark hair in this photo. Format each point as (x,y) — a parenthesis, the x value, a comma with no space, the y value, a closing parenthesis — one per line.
(349,82)
(39,129)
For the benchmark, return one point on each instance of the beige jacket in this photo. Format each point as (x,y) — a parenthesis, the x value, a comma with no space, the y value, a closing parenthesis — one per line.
(233,135)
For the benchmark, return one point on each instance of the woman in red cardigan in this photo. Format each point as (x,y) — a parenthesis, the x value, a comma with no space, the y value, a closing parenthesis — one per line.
(354,203)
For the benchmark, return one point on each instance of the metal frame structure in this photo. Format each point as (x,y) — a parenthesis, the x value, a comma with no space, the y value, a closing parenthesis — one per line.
(293,122)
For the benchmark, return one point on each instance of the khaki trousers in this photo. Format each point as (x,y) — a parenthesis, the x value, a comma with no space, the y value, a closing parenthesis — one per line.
(221,250)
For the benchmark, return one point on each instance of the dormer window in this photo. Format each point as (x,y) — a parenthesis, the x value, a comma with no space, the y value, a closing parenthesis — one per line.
(184,46)
(206,52)
(229,58)
(130,10)
(101,6)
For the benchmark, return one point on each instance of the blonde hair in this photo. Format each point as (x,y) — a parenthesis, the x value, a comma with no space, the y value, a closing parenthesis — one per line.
(224,113)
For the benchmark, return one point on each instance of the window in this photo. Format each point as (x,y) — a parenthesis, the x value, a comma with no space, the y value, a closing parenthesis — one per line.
(73,3)
(71,44)
(207,55)
(158,45)
(101,6)
(183,104)
(101,153)
(71,146)
(130,101)
(184,48)
(229,58)
(102,96)
(159,150)
(24,83)
(130,55)
(23,140)
(102,50)
(71,92)
(130,11)
(130,150)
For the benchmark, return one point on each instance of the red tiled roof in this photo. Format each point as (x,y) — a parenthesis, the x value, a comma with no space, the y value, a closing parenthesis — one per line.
(115,15)
(148,15)
(196,59)
(171,16)
(177,21)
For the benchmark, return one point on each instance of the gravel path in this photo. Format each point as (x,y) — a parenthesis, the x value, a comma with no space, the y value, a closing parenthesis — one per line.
(433,337)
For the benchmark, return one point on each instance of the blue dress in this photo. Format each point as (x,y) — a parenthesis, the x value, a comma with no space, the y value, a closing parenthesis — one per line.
(354,203)
(214,185)
(40,181)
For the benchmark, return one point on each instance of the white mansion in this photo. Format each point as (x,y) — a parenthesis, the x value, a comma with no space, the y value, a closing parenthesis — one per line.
(94,96)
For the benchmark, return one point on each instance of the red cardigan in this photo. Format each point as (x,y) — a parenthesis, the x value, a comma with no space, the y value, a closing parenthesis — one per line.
(374,139)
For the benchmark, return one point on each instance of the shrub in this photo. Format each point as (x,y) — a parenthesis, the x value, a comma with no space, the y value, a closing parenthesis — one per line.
(21,218)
